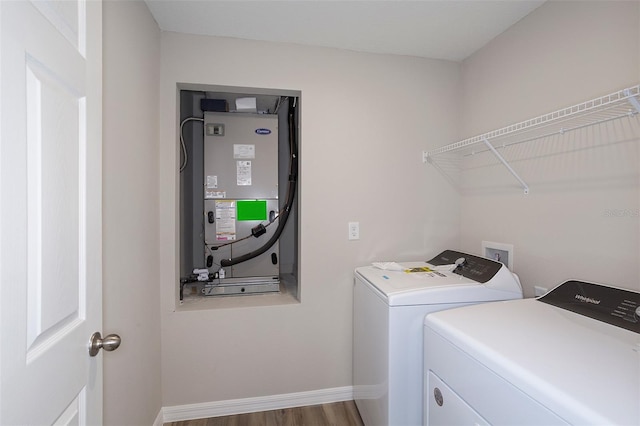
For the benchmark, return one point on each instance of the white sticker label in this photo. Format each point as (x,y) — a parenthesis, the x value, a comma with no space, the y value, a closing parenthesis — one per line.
(243,171)
(212,193)
(244,152)
(212,182)
(225,220)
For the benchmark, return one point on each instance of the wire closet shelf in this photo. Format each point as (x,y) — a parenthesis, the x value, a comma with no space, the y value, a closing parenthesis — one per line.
(617,105)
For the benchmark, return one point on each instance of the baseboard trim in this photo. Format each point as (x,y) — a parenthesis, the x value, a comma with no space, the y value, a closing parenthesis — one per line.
(251,405)
(159,418)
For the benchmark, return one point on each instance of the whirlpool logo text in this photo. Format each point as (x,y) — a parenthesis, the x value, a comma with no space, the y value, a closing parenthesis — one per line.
(587,299)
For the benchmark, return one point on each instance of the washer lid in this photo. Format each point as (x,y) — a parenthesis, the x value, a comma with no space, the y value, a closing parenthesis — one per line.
(401,288)
(584,370)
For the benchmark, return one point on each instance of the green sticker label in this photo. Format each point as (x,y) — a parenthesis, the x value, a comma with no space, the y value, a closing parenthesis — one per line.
(251,210)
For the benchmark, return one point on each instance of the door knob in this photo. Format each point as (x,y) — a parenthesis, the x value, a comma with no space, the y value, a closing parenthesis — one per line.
(109,343)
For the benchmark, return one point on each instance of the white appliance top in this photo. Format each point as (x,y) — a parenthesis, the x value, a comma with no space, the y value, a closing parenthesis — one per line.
(582,368)
(477,280)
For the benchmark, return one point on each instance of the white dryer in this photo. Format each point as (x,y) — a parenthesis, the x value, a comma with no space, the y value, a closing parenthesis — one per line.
(389,311)
(571,356)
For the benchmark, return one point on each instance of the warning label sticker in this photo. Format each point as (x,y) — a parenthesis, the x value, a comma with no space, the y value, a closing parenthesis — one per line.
(243,172)
(225,220)
(244,152)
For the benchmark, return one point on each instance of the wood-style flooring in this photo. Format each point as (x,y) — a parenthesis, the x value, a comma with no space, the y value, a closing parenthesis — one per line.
(335,414)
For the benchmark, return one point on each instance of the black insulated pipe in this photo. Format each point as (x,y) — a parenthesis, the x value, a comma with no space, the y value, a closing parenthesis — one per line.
(291,191)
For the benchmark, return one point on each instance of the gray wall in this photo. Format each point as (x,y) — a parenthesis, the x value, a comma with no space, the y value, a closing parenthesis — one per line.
(364,165)
(562,54)
(132,394)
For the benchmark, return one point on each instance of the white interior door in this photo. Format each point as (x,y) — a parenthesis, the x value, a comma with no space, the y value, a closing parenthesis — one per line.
(50,211)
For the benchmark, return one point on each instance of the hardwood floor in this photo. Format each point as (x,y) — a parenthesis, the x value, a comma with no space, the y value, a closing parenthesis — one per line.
(336,414)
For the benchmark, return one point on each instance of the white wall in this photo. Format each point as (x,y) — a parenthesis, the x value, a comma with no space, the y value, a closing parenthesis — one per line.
(560,55)
(130,200)
(365,121)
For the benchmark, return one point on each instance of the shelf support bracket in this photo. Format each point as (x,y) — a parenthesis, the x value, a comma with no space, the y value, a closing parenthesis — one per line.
(504,162)
(632,100)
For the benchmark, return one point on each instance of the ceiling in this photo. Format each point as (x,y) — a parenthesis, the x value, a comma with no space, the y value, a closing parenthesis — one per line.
(440,29)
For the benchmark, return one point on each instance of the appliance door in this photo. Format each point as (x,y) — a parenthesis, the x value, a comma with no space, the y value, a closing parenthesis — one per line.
(240,190)
(492,397)
(267,264)
(445,408)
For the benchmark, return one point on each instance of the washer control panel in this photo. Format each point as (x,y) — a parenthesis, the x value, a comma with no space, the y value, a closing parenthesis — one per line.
(476,268)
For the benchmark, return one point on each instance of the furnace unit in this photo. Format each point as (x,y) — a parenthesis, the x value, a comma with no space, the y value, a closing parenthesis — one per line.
(241,201)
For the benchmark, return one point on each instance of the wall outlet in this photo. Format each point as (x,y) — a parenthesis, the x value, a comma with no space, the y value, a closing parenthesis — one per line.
(354,230)
(539,291)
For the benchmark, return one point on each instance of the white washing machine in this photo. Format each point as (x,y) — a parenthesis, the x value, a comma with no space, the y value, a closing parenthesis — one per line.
(571,356)
(389,309)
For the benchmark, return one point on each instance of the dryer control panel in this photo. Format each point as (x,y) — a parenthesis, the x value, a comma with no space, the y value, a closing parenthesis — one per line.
(614,306)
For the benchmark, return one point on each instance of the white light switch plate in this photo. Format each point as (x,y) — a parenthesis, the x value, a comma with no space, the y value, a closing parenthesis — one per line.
(354,230)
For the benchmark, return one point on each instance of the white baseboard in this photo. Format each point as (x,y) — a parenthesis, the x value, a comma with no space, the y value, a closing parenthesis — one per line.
(159,419)
(251,405)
